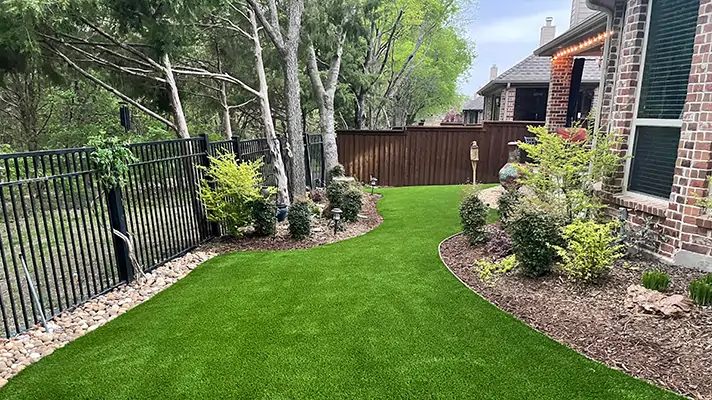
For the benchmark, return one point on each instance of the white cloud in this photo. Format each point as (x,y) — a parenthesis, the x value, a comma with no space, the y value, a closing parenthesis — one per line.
(518,29)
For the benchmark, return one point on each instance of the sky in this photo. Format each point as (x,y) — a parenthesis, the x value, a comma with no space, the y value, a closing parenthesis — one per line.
(506,31)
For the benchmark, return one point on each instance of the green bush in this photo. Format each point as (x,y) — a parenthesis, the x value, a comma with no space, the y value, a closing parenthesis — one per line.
(264,217)
(567,171)
(351,204)
(534,231)
(335,192)
(490,271)
(335,172)
(299,217)
(656,280)
(473,217)
(701,290)
(228,190)
(589,251)
(506,205)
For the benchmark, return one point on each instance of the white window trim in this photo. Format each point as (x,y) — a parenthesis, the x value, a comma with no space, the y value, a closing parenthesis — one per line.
(671,123)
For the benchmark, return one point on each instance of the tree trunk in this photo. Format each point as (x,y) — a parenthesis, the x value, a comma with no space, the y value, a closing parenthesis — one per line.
(179,117)
(227,121)
(294,122)
(272,140)
(360,109)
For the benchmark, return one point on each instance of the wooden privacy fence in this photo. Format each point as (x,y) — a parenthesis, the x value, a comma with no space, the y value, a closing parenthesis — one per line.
(428,155)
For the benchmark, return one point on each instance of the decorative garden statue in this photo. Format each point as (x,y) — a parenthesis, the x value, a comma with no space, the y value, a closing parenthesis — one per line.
(508,175)
(474,158)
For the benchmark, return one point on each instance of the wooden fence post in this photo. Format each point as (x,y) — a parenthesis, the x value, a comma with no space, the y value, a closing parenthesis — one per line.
(117,218)
(213,227)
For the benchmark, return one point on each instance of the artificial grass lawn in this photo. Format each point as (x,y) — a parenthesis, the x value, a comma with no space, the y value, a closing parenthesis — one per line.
(378,316)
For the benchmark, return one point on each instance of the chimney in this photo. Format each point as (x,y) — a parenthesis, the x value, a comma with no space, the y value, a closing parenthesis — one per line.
(548,32)
(493,72)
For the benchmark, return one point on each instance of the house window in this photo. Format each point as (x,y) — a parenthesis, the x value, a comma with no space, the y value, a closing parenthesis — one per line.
(670,41)
(530,104)
(495,107)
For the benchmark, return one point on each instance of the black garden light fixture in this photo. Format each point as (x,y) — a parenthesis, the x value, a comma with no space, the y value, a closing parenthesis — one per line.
(374,181)
(336,216)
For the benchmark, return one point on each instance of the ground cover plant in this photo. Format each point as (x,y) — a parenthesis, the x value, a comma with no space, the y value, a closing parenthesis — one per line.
(377,316)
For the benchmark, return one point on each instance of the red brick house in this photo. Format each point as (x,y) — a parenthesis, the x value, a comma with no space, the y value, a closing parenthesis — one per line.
(656,94)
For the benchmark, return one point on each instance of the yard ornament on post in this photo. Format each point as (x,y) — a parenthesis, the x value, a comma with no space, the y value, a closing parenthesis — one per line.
(474,158)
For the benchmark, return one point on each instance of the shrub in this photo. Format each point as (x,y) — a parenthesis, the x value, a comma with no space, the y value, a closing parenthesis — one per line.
(317,195)
(589,251)
(228,190)
(473,217)
(534,231)
(299,217)
(335,192)
(506,205)
(351,204)
(656,280)
(701,290)
(490,271)
(499,244)
(567,170)
(337,171)
(264,217)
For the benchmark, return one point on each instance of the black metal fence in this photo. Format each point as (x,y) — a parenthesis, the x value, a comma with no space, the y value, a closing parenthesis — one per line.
(59,223)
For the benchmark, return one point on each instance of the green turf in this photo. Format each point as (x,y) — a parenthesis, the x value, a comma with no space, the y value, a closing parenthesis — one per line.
(378,316)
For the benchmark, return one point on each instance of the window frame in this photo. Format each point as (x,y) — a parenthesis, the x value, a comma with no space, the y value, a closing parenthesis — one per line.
(643,122)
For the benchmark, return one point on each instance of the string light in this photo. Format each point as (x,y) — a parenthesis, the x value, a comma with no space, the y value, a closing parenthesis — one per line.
(584,45)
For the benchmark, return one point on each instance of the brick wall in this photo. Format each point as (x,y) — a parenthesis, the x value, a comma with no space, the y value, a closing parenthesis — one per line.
(627,78)
(506,105)
(559,85)
(611,65)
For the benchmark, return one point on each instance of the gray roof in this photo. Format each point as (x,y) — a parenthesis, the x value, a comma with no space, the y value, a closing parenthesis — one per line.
(474,103)
(535,69)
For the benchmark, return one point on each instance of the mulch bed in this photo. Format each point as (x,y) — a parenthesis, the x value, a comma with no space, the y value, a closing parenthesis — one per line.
(322,233)
(675,353)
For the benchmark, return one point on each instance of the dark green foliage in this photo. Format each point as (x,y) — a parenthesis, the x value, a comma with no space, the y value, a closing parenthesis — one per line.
(656,280)
(701,290)
(351,204)
(345,196)
(299,217)
(336,172)
(111,158)
(473,217)
(264,217)
(533,232)
(507,203)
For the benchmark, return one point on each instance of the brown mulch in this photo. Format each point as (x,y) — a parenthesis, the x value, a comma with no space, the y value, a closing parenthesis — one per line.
(675,353)
(322,233)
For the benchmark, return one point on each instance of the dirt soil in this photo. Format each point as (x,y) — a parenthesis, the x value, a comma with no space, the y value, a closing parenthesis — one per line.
(322,233)
(675,353)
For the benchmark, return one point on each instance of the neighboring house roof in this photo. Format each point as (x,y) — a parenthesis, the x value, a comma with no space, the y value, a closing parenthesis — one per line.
(476,103)
(534,70)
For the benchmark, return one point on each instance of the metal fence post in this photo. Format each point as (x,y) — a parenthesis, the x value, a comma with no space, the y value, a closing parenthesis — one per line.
(213,227)
(236,148)
(307,163)
(117,218)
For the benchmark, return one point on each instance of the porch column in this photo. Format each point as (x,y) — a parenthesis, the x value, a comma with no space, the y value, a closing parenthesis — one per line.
(506,104)
(559,85)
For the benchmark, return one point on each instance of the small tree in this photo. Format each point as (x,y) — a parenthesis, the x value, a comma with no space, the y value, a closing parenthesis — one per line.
(229,189)
(564,172)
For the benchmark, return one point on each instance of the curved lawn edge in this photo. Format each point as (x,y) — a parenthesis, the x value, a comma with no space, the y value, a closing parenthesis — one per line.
(603,364)
(373,317)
